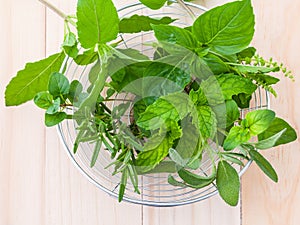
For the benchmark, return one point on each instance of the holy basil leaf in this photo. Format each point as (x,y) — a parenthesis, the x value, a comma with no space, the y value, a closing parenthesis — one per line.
(153,4)
(227,29)
(228,183)
(195,180)
(264,165)
(269,142)
(43,100)
(207,121)
(138,23)
(58,85)
(237,135)
(54,119)
(259,120)
(98,22)
(32,80)
(276,126)
(175,35)
(173,106)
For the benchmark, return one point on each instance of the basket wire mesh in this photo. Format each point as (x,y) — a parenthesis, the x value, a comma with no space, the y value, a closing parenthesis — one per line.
(155,190)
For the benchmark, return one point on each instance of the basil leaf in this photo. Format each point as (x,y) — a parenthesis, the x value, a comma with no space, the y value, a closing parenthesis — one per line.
(153,4)
(58,85)
(198,97)
(137,23)
(269,142)
(207,121)
(264,165)
(228,183)
(54,119)
(175,35)
(247,53)
(237,135)
(32,80)
(216,65)
(276,126)
(194,180)
(227,29)
(97,22)
(43,100)
(259,120)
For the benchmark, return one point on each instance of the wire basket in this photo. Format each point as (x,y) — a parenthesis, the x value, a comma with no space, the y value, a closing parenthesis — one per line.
(155,190)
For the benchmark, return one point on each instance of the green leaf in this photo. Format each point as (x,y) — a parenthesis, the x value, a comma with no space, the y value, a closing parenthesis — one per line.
(227,113)
(153,4)
(227,29)
(223,87)
(70,39)
(32,80)
(123,184)
(207,121)
(276,126)
(174,155)
(174,182)
(228,183)
(253,69)
(175,36)
(194,180)
(264,165)
(75,90)
(269,142)
(86,58)
(58,85)
(216,64)
(55,107)
(247,53)
(198,97)
(163,167)
(237,135)
(96,152)
(97,22)
(138,23)
(259,120)
(173,106)
(43,100)
(54,119)
(133,53)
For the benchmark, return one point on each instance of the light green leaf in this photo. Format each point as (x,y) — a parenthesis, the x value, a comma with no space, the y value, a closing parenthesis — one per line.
(32,80)
(237,135)
(269,142)
(173,106)
(264,165)
(175,36)
(228,183)
(153,4)
(138,23)
(58,85)
(216,64)
(207,121)
(55,107)
(227,29)
(195,180)
(43,100)
(70,40)
(276,126)
(259,120)
(97,23)
(54,119)
(198,97)
(86,58)
(253,69)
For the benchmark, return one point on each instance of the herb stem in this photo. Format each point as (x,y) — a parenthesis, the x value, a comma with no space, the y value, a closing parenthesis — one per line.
(57,11)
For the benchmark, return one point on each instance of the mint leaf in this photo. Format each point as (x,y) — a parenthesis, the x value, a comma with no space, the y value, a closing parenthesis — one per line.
(153,4)
(228,183)
(194,180)
(227,29)
(58,85)
(43,100)
(264,165)
(32,80)
(269,142)
(207,121)
(173,106)
(237,135)
(54,119)
(137,23)
(175,35)
(276,126)
(98,22)
(259,120)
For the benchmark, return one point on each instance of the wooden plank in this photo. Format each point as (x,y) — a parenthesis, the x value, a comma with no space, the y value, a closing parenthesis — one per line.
(70,198)
(22,134)
(277,35)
